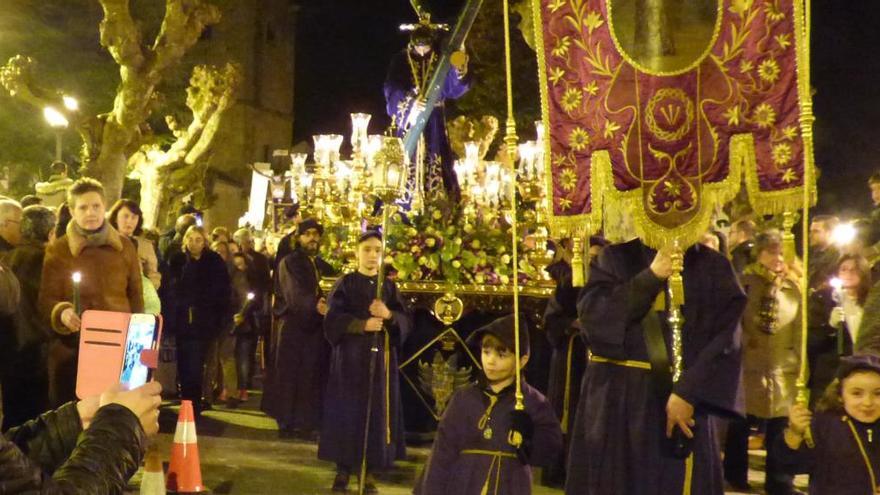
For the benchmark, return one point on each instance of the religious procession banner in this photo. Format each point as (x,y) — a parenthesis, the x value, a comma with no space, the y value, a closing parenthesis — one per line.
(663,106)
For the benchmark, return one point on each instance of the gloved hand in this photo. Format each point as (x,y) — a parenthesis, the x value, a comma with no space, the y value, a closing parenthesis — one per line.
(837,318)
(521,424)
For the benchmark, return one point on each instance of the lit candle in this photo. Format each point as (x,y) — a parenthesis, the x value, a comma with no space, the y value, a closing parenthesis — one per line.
(250,297)
(77,278)
(393,176)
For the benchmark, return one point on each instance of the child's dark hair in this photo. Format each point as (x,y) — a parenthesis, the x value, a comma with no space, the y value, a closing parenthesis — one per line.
(832,398)
(493,342)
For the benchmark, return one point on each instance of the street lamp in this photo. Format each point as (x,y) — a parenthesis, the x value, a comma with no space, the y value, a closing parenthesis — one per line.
(70,103)
(59,122)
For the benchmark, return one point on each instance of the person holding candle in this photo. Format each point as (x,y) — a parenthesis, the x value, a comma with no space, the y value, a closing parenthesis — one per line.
(836,320)
(110,280)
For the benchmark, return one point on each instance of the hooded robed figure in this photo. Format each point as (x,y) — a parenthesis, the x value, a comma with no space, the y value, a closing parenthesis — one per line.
(356,320)
(619,443)
(295,395)
(406,84)
(472,452)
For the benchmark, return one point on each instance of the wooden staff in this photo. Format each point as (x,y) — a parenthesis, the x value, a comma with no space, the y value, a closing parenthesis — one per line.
(374,348)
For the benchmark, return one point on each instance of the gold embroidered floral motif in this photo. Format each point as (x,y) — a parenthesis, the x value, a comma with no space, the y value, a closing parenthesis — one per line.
(764,115)
(610,129)
(733,115)
(789,176)
(740,7)
(564,203)
(556,74)
(556,5)
(673,188)
(567,179)
(745,66)
(591,88)
(773,12)
(783,40)
(769,70)
(561,48)
(593,21)
(558,159)
(578,140)
(789,132)
(571,99)
(781,153)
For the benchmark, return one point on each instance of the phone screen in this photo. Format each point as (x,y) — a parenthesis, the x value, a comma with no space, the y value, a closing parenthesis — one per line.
(140,337)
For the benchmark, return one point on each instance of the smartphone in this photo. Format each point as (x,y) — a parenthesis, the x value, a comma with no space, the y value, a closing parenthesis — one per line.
(141,335)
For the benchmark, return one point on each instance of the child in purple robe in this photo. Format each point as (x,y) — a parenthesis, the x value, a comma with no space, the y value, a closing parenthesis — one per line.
(844,458)
(361,327)
(474,451)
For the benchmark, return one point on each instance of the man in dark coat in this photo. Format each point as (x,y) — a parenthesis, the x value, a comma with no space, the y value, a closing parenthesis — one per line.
(619,442)
(295,396)
(25,379)
(362,327)
(823,253)
(201,296)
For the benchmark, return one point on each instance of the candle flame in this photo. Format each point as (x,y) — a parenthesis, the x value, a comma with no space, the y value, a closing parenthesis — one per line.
(836,283)
(77,277)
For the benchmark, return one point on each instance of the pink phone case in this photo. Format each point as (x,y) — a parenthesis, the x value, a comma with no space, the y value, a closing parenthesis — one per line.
(102,349)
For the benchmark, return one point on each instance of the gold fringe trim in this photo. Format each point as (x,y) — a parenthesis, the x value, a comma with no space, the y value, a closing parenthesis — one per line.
(742,160)
(742,149)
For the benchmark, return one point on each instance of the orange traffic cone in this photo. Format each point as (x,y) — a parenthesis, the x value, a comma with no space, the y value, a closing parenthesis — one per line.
(185,473)
(153,482)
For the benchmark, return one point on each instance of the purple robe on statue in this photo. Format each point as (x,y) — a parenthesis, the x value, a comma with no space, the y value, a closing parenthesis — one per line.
(464,462)
(294,395)
(345,405)
(616,444)
(400,94)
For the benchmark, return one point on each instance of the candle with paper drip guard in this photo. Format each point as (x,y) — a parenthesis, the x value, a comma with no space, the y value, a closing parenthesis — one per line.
(76,277)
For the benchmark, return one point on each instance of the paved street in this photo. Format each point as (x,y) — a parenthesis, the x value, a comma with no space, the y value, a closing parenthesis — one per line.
(241,454)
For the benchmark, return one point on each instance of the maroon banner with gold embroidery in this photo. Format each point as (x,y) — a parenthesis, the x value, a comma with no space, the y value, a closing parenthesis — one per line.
(669,110)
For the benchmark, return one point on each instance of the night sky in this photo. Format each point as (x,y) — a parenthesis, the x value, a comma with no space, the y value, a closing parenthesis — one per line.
(342,52)
(343,47)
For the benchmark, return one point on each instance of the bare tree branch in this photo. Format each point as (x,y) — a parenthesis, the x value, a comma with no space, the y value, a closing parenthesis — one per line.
(120,35)
(183,24)
(17,77)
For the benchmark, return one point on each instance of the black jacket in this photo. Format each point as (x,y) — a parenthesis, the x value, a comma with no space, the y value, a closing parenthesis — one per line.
(53,455)
(199,305)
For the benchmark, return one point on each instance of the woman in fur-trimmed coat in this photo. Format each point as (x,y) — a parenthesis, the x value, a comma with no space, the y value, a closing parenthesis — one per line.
(111,281)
